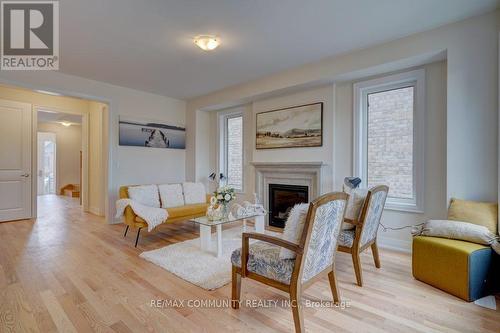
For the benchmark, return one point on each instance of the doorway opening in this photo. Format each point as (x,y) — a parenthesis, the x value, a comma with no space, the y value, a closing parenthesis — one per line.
(60,145)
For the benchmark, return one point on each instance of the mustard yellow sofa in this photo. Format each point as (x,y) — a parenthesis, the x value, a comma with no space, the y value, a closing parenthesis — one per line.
(175,214)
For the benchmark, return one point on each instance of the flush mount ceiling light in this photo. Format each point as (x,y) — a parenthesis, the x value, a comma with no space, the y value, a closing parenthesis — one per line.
(48,92)
(65,123)
(206,42)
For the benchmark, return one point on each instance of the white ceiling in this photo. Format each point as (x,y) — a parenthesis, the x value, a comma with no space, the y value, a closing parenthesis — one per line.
(147,45)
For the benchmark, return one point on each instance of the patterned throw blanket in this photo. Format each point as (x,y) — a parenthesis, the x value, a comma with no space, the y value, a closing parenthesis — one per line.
(152,215)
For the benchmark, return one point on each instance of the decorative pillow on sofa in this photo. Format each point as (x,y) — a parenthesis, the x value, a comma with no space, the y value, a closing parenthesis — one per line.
(293,228)
(194,193)
(354,205)
(171,195)
(465,231)
(145,194)
(480,213)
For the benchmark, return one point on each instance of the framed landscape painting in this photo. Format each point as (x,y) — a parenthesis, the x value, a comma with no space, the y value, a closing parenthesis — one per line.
(298,126)
(151,134)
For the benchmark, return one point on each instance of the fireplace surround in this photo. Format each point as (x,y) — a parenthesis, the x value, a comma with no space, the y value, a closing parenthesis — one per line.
(306,174)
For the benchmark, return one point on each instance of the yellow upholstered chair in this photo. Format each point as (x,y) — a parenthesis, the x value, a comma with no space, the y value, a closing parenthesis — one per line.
(364,234)
(314,259)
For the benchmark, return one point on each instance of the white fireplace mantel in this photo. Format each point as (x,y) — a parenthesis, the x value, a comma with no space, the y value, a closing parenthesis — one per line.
(288,164)
(288,173)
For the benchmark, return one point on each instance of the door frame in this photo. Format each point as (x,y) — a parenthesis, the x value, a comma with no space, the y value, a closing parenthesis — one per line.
(85,153)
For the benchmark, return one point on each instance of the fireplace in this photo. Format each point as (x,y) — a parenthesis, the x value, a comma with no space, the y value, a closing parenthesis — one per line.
(281,200)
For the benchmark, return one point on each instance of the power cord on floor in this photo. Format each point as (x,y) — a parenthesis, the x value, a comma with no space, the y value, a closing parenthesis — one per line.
(384,228)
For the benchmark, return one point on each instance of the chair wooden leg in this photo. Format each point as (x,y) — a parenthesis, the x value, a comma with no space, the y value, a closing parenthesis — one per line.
(236,289)
(357,267)
(376,258)
(298,316)
(137,237)
(126,230)
(333,285)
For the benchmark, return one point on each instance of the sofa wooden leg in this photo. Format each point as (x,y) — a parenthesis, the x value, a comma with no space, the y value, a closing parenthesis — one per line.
(137,238)
(126,230)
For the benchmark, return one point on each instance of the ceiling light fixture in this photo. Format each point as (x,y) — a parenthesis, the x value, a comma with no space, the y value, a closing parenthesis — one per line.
(206,42)
(48,92)
(46,111)
(65,123)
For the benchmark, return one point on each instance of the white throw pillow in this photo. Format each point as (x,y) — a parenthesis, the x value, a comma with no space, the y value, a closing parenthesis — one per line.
(145,194)
(458,230)
(171,195)
(194,193)
(354,205)
(293,228)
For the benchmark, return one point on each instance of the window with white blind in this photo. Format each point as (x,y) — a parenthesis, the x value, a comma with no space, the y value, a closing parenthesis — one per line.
(389,121)
(231,149)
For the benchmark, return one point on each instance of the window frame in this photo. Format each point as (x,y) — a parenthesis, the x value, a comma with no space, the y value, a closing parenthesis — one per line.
(361,90)
(222,130)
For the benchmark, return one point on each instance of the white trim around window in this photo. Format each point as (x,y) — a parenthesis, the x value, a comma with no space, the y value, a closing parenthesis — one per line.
(222,151)
(415,79)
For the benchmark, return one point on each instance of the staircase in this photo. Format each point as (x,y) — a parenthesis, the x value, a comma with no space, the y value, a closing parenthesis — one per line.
(71,190)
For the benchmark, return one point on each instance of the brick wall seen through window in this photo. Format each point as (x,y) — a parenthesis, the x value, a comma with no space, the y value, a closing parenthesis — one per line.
(234,146)
(390,141)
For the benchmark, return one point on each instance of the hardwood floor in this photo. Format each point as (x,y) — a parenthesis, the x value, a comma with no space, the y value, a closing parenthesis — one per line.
(70,272)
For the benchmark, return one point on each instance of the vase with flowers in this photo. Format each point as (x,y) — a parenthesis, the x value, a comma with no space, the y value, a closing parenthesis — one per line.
(224,196)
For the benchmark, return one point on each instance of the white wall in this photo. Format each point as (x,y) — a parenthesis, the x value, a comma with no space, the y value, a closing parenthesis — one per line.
(465,141)
(97,156)
(203,130)
(337,150)
(128,165)
(471,48)
(68,147)
(472,109)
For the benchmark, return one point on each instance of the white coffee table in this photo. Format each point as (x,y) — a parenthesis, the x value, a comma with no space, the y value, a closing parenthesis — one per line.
(206,229)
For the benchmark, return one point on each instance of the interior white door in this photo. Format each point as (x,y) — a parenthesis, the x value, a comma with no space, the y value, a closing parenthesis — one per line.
(15,160)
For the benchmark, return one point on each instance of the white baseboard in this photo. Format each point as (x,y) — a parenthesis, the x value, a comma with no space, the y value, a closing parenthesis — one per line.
(95,211)
(394,244)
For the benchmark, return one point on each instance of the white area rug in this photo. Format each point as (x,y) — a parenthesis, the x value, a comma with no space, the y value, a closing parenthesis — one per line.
(190,263)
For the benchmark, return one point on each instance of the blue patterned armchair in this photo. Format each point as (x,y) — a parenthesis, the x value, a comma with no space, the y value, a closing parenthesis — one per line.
(364,234)
(314,255)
